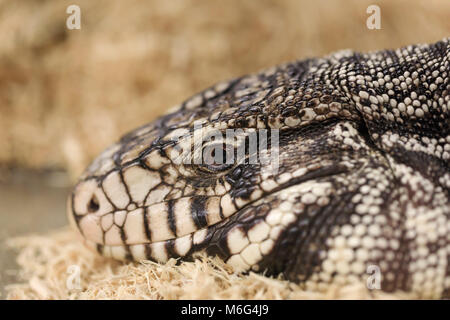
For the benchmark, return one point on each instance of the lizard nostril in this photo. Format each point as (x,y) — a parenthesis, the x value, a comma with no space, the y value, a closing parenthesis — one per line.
(93,205)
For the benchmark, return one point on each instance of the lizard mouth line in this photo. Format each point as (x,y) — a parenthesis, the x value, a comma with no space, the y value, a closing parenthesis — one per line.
(324,172)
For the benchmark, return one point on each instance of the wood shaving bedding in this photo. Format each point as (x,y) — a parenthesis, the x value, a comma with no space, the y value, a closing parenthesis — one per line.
(49,262)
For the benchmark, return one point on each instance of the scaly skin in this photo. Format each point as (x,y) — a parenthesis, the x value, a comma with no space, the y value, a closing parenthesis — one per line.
(363,176)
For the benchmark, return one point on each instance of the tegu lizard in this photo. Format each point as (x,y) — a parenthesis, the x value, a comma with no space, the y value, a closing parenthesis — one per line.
(361,181)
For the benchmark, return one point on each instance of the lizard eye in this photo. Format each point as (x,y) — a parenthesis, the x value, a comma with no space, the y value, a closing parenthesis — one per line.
(217,157)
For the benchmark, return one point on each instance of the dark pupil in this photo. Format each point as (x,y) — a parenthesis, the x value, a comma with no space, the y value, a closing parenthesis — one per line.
(212,158)
(215,158)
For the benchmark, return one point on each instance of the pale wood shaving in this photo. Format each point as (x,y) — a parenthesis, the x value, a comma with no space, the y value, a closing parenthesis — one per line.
(44,261)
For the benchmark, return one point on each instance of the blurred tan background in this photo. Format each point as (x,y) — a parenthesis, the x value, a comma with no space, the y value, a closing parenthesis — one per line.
(67,94)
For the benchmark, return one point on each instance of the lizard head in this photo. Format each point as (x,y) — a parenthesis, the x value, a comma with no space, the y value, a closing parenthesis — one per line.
(313,168)
(173,181)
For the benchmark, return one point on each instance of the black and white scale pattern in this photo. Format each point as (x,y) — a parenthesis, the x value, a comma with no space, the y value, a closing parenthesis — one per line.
(363,176)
